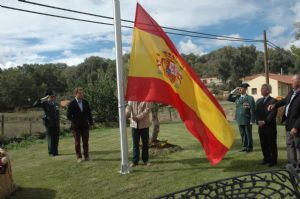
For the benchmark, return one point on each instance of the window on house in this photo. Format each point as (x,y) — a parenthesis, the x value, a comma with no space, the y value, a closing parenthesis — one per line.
(254,91)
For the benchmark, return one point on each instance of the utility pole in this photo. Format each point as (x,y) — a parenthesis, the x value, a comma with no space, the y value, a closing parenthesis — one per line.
(266,57)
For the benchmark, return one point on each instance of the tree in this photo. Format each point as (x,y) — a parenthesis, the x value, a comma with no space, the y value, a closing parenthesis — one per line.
(101,95)
(298,30)
(224,70)
(259,64)
(244,60)
(278,59)
(296,53)
(21,85)
(155,123)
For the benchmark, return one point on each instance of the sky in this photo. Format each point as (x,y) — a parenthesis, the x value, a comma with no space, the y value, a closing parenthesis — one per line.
(28,38)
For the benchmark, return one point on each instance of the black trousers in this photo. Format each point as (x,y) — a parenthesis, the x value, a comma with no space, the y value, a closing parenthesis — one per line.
(53,139)
(246,134)
(136,135)
(268,142)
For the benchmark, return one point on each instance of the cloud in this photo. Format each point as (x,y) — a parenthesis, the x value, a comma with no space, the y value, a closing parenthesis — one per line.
(187,47)
(28,38)
(44,35)
(197,13)
(227,42)
(213,44)
(287,40)
(277,30)
(295,9)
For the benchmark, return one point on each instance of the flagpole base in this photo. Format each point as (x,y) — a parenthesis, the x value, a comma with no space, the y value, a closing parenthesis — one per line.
(125,169)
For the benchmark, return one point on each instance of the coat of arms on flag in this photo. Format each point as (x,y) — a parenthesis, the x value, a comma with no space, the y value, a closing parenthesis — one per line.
(168,66)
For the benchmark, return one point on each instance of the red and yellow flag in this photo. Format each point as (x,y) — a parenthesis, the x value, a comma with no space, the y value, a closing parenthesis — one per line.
(158,73)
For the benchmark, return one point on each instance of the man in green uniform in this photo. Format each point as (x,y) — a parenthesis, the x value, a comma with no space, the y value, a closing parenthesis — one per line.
(51,121)
(245,114)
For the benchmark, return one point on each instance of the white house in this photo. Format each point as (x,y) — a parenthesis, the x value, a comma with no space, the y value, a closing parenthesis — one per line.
(281,84)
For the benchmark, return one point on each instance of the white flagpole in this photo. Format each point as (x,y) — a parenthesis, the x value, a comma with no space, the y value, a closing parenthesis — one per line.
(119,65)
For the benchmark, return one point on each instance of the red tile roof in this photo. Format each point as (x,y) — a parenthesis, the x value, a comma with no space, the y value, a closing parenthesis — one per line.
(281,78)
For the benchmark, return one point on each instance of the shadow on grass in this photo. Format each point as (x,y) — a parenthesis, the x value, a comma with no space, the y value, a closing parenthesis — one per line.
(194,163)
(251,166)
(246,166)
(107,159)
(104,152)
(189,161)
(33,193)
(94,153)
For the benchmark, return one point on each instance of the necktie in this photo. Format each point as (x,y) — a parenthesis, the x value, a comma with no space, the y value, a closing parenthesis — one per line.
(288,106)
(80,105)
(265,99)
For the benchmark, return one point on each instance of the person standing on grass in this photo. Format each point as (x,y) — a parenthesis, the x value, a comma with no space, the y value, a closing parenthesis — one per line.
(291,117)
(139,114)
(79,113)
(267,130)
(245,114)
(51,120)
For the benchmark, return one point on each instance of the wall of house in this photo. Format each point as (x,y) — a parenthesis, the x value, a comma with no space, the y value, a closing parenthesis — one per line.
(255,86)
(283,89)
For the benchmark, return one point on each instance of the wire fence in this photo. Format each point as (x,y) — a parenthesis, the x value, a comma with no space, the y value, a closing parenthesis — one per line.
(26,123)
(29,122)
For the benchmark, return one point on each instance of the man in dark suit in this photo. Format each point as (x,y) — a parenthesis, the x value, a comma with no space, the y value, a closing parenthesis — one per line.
(266,121)
(291,117)
(51,120)
(80,115)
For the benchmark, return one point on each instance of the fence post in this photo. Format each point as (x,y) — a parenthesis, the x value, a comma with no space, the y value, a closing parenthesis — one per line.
(30,126)
(170,112)
(2,125)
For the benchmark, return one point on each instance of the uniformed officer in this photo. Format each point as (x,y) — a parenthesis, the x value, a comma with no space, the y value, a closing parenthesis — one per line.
(245,114)
(51,120)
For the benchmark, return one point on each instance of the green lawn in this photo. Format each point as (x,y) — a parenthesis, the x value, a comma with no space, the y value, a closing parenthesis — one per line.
(40,176)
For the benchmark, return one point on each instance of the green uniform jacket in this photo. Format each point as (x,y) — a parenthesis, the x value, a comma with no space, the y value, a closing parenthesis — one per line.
(245,109)
(51,117)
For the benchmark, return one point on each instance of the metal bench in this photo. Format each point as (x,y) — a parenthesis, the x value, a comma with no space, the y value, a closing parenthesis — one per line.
(280,183)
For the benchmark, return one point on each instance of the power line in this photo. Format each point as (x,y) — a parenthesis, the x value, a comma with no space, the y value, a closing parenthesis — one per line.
(274,45)
(129,21)
(110,24)
(58,16)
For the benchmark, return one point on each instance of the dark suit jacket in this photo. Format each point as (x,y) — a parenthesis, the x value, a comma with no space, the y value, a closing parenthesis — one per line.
(79,119)
(293,118)
(269,117)
(51,117)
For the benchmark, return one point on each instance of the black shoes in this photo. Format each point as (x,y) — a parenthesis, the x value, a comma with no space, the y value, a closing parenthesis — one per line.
(247,150)
(264,162)
(271,164)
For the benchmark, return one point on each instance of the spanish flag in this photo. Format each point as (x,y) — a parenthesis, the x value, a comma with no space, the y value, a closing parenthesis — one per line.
(158,73)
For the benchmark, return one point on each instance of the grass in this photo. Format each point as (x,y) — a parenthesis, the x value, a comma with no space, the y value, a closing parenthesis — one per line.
(42,177)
